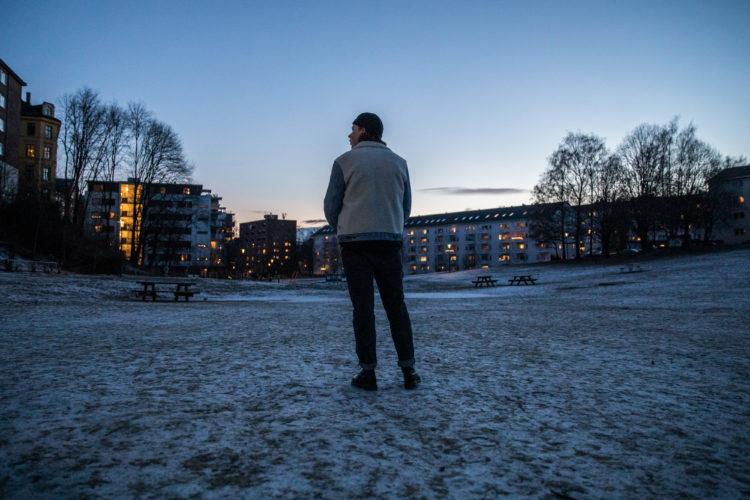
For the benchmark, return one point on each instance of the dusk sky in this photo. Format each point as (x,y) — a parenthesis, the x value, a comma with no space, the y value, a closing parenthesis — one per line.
(475,95)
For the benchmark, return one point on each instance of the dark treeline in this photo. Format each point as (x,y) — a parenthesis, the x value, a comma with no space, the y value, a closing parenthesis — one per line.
(98,141)
(655,182)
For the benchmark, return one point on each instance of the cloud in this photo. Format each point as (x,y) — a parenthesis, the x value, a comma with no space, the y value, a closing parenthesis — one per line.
(314,221)
(473,191)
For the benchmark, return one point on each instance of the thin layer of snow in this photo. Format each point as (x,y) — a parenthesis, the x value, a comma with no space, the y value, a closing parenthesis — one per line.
(593,383)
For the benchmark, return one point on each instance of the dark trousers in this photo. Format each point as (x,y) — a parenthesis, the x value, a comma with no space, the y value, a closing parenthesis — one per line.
(379,260)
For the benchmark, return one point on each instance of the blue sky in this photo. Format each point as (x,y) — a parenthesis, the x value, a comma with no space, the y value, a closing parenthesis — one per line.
(472,94)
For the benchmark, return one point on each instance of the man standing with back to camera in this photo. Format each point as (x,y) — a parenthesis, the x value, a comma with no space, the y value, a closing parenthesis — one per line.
(367,202)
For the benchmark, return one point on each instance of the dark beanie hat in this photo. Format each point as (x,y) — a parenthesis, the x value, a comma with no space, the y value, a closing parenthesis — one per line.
(370,122)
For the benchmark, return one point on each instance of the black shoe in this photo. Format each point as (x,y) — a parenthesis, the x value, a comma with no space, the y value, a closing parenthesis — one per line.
(411,378)
(366,380)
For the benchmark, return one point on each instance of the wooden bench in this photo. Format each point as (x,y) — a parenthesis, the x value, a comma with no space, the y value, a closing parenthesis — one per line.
(522,279)
(484,281)
(181,289)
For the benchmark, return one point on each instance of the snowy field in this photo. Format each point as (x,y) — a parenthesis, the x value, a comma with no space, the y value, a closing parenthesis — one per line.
(593,384)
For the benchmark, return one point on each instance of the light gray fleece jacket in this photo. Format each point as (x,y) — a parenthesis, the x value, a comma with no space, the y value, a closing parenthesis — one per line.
(369,195)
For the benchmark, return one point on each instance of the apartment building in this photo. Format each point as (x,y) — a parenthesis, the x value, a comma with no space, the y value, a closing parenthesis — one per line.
(454,241)
(183,227)
(734,185)
(37,160)
(267,246)
(11,86)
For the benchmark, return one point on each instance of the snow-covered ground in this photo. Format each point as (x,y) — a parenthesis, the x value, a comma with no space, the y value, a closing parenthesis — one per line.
(593,384)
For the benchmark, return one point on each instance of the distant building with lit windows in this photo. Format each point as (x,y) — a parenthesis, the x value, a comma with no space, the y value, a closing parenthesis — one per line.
(733,184)
(455,241)
(185,229)
(267,246)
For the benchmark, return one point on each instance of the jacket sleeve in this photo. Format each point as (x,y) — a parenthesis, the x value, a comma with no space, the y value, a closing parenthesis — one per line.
(407,197)
(334,196)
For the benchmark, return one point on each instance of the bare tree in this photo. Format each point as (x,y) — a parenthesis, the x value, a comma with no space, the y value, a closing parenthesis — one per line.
(155,155)
(587,153)
(608,195)
(694,164)
(646,157)
(81,136)
(109,158)
(553,188)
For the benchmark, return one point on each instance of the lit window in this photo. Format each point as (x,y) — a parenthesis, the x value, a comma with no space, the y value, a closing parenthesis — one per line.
(186,190)
(47,152)
(742,199)
(30,152)
(48,131)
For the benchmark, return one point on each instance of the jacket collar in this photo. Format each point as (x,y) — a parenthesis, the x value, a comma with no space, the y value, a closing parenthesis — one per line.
(370,144)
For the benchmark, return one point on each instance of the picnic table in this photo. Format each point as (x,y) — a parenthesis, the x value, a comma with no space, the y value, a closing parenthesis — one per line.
(484,281)
(178,288)
(522,279)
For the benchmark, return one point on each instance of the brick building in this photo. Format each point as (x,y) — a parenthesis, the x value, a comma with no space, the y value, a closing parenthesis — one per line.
(10,126)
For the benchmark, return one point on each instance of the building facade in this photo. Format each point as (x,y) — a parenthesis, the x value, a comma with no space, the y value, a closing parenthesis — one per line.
(11,86)
(267,246)
(455,241)
(733,186)
(37,159)
(181,228)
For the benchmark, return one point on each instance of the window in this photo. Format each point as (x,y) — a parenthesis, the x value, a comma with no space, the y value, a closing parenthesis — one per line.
(2,101)
(47,111)
(45,174)
(3,77)
(30,152)
(31,129)
(2,149)
(424,240)
(47,152)
(48,131)
(186,190)
(2,125)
